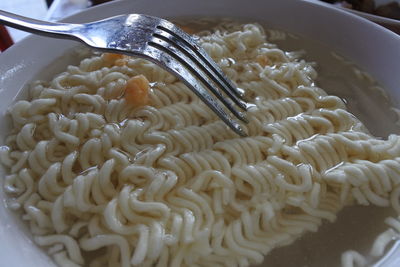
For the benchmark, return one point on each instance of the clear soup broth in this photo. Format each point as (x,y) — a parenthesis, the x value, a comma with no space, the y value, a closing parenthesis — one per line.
(356,227)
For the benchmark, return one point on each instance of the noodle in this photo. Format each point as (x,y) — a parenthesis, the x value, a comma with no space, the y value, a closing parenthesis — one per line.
(167,184)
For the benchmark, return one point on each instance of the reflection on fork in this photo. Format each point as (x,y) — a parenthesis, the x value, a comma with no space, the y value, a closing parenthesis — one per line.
(157,40)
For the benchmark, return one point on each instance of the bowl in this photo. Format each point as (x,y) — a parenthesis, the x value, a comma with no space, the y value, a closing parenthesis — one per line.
(373,48)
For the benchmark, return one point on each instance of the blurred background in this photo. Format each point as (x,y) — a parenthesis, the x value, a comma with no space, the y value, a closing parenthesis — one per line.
(51,10)
(384,12)
(385,8)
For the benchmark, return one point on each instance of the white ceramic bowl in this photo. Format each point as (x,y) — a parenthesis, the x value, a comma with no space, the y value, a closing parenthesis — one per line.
(370,46)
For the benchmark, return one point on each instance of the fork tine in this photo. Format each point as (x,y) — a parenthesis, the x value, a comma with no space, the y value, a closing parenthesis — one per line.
(172,65)
(202,64)
(174,51)
(172,33)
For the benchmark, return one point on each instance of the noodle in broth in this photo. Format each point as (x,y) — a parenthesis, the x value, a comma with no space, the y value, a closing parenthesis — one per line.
(167,184)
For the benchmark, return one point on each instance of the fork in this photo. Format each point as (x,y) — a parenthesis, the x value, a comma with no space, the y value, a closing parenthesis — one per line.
(156,40)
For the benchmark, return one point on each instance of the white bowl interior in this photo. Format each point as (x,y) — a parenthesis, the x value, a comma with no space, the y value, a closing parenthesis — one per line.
(370,46)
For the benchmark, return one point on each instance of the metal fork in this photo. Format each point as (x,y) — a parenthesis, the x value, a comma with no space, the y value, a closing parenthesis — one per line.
(154,39)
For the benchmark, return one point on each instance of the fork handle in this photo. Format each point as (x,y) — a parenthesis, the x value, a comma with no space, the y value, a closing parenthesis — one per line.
(50,29)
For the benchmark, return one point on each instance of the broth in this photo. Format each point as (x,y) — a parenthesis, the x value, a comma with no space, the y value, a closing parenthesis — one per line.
(353,228)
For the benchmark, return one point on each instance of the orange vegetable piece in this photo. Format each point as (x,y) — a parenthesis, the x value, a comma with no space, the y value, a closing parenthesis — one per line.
(112,56)
(187,29)
(137,90)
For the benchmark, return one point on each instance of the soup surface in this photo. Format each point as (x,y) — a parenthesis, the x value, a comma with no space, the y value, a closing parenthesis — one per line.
(367,100)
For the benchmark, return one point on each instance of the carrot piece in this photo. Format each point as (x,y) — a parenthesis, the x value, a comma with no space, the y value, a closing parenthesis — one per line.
(112,56)
(187,29)
(116,59)
(137,90)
